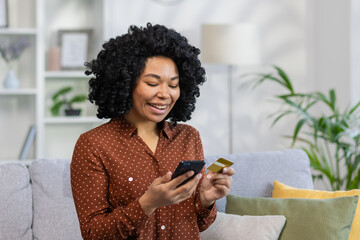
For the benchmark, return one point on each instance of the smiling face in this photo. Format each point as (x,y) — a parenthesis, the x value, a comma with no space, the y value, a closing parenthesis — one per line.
(156,91)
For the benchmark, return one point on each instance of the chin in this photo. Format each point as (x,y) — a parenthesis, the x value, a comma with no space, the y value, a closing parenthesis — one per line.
(157,119)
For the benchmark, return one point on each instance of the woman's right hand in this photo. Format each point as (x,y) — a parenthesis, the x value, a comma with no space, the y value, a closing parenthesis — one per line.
(164,192)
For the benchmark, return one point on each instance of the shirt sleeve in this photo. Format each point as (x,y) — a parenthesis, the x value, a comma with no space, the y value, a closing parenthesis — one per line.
(205,216)
(89,183)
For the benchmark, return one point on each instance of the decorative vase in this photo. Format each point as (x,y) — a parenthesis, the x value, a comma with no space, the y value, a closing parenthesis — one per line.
(11,81)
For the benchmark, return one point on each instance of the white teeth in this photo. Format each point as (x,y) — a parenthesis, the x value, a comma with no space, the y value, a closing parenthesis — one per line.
(159,106)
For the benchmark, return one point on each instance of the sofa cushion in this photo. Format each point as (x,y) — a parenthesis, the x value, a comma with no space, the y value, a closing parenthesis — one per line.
(306,219)
(230,226)
(283,191)
(54,211)
(255,172)
(15,202)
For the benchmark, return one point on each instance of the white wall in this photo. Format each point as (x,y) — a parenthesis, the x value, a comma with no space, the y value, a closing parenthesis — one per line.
(283,27)
(310,39)
(329,47)
(355,50)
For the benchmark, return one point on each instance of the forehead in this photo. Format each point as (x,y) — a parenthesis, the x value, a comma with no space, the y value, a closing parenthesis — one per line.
(160,64)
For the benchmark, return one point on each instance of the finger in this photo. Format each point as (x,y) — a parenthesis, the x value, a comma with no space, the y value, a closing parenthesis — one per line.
(188,188)
(217,176)
(228,171)
(221,189)
(223,181)
(164,179)
(176,181)
(210,175)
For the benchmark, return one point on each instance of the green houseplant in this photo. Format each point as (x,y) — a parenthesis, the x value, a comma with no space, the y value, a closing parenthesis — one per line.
(330,138)
(61,98)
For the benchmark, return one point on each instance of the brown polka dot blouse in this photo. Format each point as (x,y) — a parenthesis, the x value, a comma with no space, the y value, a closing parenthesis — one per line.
(112,168)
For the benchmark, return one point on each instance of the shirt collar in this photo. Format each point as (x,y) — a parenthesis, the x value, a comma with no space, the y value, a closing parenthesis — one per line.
(167,130)
(124,127)
(127,129)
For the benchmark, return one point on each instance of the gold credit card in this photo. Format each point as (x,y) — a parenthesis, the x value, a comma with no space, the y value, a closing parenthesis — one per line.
(219,164)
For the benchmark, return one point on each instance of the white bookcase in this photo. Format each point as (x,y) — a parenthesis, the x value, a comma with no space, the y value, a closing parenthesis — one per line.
(29,105)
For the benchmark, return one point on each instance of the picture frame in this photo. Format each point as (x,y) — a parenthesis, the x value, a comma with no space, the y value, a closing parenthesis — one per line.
(4,18)
(74,46)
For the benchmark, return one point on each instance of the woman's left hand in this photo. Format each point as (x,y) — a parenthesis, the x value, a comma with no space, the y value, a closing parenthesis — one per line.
(215,186)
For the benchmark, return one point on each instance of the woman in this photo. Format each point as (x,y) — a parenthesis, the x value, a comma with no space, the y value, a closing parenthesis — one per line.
(121,171)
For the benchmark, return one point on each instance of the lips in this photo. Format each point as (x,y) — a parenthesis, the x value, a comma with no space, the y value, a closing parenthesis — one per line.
(158,106)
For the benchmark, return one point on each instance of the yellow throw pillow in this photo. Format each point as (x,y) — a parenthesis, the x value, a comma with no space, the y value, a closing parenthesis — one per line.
(283,191)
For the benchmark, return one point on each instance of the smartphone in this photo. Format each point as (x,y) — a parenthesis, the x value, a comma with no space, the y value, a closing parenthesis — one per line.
(185,166)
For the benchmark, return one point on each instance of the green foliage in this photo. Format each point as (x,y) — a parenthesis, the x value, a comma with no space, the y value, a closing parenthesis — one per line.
(331,139)
(61,98)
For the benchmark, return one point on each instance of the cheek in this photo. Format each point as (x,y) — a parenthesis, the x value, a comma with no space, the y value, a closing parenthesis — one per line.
(139,96)
(176,95)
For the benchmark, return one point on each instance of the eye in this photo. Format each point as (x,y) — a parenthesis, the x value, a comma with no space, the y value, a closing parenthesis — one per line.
(174,86)
(152,84)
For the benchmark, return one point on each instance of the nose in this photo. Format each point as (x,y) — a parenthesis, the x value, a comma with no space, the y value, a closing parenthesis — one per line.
(163,92)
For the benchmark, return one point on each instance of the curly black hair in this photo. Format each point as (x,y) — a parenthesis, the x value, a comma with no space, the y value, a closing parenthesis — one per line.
(118,66)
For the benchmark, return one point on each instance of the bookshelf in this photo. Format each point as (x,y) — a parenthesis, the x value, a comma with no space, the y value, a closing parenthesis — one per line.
(19,107)
(41,21)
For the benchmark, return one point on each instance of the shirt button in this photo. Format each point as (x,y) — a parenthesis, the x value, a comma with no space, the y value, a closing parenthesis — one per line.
(130,179)
(162,227)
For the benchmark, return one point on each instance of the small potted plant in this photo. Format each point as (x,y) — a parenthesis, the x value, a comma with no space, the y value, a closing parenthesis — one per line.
(61,98)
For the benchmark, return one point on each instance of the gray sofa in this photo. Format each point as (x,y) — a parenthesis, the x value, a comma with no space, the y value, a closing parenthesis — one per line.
(36,200)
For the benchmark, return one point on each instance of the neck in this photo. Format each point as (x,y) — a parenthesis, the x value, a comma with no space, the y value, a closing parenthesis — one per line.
(143,127)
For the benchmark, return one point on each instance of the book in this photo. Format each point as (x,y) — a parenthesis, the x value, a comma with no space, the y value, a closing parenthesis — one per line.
(30,137)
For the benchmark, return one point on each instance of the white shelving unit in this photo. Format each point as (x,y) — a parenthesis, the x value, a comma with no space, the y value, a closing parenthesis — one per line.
(18,31)
(65,74)
(19,108)
(60,133)
(19,92)
(72,120)
(28,105)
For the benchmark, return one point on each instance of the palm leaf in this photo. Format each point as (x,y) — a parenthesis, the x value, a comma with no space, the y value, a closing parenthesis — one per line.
(281,116)
(332,97)
(286,79)
(354,108)
(297,129)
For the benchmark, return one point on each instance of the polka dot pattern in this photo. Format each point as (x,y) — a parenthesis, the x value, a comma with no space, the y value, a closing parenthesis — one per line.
(112,168)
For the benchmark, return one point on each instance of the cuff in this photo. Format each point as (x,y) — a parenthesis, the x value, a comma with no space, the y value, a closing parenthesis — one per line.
(200,210)
(136,214)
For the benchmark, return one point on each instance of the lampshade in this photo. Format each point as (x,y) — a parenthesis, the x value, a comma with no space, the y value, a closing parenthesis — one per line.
(236,44)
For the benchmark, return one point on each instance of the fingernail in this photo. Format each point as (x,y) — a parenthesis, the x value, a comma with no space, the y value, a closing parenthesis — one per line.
(225,170)
(208,176)
(199,175)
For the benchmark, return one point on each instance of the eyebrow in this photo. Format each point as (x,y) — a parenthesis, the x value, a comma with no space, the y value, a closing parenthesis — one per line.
(158,77)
